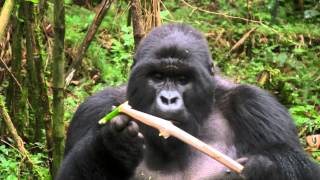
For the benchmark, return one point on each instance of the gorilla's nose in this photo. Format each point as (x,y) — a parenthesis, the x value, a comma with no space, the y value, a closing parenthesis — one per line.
(169,100)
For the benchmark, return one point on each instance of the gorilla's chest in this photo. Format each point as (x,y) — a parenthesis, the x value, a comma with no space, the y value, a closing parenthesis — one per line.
(200,167)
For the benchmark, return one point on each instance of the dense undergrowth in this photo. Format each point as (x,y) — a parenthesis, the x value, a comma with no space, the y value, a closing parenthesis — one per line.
(281,55)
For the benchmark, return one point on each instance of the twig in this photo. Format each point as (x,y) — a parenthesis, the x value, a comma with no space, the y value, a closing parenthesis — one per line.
(11,146)
(221,14)
(13,77)
(167,129)
(241,41)
(87,40)
(13,131)
(239,18)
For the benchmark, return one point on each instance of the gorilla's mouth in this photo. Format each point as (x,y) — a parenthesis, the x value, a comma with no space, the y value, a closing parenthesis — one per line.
(172,117)
(176,117)
(175,122)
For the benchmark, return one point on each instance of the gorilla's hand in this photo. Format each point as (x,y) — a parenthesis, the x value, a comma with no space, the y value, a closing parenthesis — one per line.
(257,167)
(124,142)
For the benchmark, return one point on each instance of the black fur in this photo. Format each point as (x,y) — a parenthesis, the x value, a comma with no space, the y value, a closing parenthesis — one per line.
(173,78)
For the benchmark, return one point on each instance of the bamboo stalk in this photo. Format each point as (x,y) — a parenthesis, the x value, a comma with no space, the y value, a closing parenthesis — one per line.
(5,15)
(167,129)
(57,71)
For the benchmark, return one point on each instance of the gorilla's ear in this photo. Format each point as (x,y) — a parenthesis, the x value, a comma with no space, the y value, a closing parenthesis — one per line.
(212,69)
(134,62)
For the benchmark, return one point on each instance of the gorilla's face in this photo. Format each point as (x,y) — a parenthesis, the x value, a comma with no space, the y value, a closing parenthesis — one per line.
(172,79)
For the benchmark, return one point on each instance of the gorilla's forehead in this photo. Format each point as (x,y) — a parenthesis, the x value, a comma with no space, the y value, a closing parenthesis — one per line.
(166,65)
(177,52)
(172,51)
(174,41)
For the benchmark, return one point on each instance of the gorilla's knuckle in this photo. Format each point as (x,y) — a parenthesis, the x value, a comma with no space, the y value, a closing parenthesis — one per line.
(133,129)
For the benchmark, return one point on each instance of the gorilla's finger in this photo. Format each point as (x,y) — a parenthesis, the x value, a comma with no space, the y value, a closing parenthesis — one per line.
(242,160)
(120,122)
(133,129)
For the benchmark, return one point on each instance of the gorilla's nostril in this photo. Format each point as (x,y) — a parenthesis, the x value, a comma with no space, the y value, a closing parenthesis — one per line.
(169,101)
(164,100)
(173,100)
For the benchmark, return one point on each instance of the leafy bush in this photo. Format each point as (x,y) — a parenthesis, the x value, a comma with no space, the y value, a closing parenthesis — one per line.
(12,166)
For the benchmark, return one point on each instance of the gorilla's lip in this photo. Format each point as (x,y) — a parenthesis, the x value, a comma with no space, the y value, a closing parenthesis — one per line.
(169,116)
(175,122)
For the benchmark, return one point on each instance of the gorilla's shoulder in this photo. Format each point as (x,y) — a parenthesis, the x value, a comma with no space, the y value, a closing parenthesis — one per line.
(245,96)
(115,96)
(245,92)
(256,102)
(97,105)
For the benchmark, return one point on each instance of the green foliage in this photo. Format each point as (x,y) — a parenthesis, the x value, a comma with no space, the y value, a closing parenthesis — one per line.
(8,166)
(306,116)
(78,20)
(316,154)
(113,62)
(119,57)
(73,100)
(33,1)
(12,166)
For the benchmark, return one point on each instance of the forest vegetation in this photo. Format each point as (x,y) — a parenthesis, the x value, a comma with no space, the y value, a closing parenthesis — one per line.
(54,54)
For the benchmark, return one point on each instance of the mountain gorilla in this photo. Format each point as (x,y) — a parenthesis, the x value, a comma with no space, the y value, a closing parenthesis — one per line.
(173,77)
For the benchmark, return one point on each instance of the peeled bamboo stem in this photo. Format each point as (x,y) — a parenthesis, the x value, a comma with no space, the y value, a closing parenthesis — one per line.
(167,129)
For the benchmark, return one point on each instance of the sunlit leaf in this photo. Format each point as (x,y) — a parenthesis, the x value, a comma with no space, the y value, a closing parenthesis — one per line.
(311,13)
(33,1)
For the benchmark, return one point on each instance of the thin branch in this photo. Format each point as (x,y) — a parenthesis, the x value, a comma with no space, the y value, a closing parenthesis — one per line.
(7,68)
(220,14)
(13,131)
(87,40)
(18,140)
(239,18)
(19,85)
(241,41)
(11,146)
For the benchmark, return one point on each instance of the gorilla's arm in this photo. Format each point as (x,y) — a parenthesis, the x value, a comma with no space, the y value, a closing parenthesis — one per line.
(110,151)
(264,133)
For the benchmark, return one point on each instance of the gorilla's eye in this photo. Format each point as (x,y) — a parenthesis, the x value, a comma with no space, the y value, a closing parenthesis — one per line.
(183,80)
(157,76)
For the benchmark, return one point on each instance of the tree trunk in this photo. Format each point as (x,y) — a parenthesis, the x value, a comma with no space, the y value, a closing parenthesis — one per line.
(45,115)
(137,22)
(58,85)
(16,94)
(36,123)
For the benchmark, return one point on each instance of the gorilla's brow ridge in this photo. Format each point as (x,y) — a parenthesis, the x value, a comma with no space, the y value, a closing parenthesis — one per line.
(172,51)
